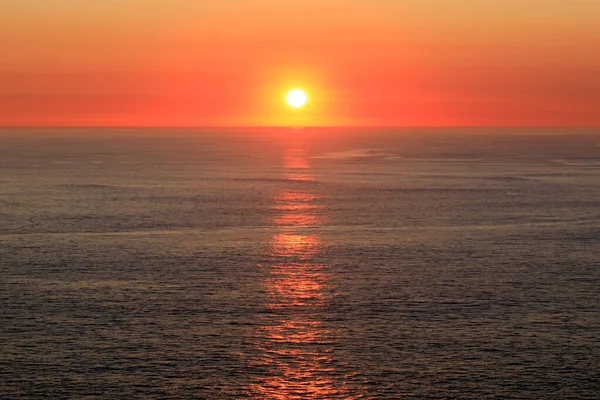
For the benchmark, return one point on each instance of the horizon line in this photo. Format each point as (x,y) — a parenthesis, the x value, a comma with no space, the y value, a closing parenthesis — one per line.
(300,127)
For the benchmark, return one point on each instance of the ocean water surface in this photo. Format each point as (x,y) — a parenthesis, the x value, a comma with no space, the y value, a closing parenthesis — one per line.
(299,264)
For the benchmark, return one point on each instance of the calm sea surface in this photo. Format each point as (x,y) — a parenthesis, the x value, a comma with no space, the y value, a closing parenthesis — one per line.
(299,264)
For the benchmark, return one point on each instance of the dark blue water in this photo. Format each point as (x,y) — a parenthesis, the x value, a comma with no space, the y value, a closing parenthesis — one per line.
(300,264)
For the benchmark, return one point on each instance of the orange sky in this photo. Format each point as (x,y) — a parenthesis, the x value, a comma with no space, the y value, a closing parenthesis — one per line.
(230,62)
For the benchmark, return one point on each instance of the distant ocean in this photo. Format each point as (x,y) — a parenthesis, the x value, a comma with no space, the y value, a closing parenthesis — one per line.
(300,264)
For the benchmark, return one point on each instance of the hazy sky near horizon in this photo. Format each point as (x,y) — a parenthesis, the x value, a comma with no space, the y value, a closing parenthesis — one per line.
(230,62)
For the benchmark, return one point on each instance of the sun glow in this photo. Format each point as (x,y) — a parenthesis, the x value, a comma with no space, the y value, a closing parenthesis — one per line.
(296,98)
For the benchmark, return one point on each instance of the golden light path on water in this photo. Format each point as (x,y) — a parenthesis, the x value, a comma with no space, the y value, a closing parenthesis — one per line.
(294,345)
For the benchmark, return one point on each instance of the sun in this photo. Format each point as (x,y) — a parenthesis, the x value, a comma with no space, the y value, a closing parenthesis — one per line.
(296,98)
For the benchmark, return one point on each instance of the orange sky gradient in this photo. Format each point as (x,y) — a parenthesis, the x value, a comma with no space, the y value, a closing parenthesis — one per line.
(368,63)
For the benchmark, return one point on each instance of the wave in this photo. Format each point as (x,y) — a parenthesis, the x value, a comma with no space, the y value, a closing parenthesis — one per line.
(577,163)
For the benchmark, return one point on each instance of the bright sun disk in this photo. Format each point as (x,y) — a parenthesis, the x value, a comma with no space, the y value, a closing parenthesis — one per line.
(296,98)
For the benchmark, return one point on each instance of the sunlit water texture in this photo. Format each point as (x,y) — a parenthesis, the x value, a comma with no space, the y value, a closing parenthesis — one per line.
(299,264)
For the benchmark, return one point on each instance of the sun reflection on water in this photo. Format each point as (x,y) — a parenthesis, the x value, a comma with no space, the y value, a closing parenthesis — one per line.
(294,344)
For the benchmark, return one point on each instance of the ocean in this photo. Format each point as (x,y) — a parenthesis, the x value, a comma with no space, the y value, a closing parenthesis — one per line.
(300,263)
